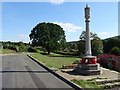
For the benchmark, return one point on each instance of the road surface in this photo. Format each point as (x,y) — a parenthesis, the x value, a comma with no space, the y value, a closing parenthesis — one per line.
(19,71)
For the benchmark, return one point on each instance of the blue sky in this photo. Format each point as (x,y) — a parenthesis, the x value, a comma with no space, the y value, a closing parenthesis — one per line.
(18,18)
(119,18)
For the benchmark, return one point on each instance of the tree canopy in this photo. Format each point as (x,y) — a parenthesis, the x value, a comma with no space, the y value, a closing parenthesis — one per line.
(96,44)
(92,35)
(48,35)
(115,51)
(109,44)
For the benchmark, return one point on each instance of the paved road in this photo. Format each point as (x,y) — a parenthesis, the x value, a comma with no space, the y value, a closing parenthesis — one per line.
(19,71)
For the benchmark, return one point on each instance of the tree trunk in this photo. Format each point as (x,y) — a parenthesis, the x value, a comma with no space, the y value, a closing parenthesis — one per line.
(48,52)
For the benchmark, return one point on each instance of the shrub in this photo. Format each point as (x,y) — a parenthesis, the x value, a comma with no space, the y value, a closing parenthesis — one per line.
(37,50)
(103,59)
(115,51)
(30,49)
(76,62)
(22,48)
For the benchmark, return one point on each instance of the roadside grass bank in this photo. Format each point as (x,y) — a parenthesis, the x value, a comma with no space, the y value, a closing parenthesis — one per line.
(54,60)
(99,83)
(6,51)
(90,85)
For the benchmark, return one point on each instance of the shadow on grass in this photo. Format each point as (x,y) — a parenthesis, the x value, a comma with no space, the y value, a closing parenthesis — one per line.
(59,55)
(43,53)
(66,56)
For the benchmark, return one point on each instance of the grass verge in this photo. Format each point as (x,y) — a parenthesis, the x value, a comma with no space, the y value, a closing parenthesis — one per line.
(6,51)
(87,84)
(55,60)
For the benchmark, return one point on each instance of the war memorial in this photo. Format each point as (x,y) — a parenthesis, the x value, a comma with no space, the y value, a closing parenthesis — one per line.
(88,65)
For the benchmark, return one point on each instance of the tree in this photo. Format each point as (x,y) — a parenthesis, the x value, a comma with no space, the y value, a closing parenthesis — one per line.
(81,47)
(71,45)
(96,44)
(48,35)
(92,35)
(115,51)
(108,45)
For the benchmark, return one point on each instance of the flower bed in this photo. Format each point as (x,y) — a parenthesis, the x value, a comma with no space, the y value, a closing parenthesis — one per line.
(72,66)
(103,59)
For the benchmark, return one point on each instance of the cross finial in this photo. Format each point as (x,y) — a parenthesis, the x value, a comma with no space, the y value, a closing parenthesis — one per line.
(87,5)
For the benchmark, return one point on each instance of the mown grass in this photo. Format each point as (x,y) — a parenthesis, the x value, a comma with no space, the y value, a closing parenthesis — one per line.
(6,51)
(55,60)
(87,84)
(0,51)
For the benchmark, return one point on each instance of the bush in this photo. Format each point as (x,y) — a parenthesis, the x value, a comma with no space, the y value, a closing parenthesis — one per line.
(22,49)
(76,62)
(37,50)
(103,59)
(30,49)
(115,51)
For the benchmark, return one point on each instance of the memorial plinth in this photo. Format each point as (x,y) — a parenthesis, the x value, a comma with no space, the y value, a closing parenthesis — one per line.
(88,69)
(88,65)
(89,60)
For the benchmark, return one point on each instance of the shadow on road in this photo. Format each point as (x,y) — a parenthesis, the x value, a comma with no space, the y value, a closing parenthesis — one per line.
(24,72)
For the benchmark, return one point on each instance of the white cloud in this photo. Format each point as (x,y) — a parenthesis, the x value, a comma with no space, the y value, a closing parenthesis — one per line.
(103,33)
(23,37)
(69,27)
(57,1)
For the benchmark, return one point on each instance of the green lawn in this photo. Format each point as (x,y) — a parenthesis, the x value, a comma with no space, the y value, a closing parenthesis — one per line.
(6,51)
(55,60)
(0,51)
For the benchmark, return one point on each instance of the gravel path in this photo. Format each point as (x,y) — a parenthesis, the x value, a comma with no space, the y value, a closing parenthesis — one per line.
(106,73)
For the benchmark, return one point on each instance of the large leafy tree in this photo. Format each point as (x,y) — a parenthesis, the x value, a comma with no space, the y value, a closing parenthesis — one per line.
(81,47)
(96,44)
(48,35)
